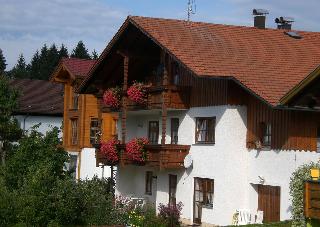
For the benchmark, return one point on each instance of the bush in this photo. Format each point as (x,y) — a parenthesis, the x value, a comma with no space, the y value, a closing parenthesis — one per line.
(171,213)
(297,192)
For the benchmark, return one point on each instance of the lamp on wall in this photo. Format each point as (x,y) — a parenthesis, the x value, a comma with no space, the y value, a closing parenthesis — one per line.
(315,173)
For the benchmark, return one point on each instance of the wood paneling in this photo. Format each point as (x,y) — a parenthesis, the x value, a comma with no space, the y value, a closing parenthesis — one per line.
(312,199)
(269,202)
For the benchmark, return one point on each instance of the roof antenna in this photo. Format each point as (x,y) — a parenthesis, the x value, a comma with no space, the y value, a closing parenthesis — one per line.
(192,8)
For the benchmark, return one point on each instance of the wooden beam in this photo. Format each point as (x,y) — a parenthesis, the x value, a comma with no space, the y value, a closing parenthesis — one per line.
(124,100)
(164,99)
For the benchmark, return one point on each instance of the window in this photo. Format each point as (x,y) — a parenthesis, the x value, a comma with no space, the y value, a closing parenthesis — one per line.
(149,175)
(318,139)
(174,130)
(203,191)
(72,165)
(94,131)
(74,131)
(75,101)
(172,189)
(205,127)
(266,134)
(153,133)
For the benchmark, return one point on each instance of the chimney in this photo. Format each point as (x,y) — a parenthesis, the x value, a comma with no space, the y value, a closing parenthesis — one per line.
(284,22)
(260,18)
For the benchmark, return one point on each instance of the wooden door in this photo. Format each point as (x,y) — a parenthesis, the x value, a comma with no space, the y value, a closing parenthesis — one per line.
(172,189)
(269,202)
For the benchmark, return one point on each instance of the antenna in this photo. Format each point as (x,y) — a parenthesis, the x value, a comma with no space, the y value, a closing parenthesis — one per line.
(192,8)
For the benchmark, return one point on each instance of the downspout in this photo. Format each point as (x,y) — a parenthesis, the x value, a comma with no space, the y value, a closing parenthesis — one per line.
(24,121)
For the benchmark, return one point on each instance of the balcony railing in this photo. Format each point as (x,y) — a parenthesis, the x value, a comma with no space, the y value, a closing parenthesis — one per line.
(177,97)
(168,156)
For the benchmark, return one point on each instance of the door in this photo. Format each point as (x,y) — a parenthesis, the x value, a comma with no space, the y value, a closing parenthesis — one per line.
(172,189)
(269,202)
(153,132)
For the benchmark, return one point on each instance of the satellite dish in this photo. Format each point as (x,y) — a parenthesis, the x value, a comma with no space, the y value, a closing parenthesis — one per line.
(187,163)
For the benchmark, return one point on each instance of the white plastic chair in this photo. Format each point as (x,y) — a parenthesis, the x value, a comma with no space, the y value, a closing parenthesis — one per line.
(244,217)
(259,217)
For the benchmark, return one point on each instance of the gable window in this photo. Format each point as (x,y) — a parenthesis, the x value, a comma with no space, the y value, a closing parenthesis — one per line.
(74,131)
(174,130)
(205,129)
(203,191)
(318,139)
(266,135)
(153,134)
(75,101)
(94,131)
(149,175)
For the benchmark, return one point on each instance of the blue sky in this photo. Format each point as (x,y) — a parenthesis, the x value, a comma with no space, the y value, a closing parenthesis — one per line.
(26,25)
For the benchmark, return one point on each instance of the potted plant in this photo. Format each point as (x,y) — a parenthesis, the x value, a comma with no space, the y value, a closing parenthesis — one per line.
(112,97)
(137,92)
(135,150)
(110,152)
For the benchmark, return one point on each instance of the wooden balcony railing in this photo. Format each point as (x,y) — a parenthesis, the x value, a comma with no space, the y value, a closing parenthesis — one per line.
(168,156)
(177,97)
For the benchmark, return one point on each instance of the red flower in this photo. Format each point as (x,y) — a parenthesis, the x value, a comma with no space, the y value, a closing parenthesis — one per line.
(112,97)
(109,150)
(137,93)
(135,149)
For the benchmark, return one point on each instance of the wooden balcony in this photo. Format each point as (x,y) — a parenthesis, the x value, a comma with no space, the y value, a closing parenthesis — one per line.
(176,97)
(168,156)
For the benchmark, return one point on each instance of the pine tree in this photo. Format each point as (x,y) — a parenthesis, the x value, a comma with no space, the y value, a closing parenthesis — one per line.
(80,51)
(34,66)
(3,64)
(20,69)
(63,52)
(95,55)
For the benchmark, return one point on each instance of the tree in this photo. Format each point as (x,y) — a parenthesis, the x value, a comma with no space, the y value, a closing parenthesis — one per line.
(63,52)
(20,70)
(95,55)
(3,64)
(80,51)
(9,128)
(34,66)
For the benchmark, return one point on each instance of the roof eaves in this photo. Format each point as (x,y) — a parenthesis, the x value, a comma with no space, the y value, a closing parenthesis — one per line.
(300,86)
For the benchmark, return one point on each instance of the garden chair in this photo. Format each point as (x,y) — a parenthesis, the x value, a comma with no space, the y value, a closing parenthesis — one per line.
(244,217)
(259,217)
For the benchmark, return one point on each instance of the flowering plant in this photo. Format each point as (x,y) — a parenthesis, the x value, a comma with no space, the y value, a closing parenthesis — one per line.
(135,149)
(109,150)
(112,97)
(171,213)
(137,92)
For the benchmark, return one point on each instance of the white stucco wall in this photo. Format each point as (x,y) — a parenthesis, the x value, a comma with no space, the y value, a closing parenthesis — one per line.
(228,162)
(276,168)
(47,122)
(88,167)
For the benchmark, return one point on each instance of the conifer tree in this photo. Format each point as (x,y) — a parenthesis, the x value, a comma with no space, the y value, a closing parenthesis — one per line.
(20,69)
(63,52)
(95,55)
(3,64)
(80,51)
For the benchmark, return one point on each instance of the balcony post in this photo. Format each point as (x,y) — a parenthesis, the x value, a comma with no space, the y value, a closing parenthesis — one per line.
(124,99)
(164,99)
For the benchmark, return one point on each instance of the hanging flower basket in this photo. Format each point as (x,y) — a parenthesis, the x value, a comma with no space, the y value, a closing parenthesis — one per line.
(135,150)
(112,97)
(110,152)
(137,92)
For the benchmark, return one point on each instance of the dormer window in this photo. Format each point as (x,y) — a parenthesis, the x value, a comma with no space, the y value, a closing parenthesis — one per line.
(266,135)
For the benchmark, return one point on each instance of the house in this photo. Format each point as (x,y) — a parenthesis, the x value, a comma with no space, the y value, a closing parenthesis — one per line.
(230,112)
(39,102)
(82,119)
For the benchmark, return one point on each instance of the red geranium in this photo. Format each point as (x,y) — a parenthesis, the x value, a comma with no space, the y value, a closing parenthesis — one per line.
(135,149)
(109,150)
(112,97)
(137,92)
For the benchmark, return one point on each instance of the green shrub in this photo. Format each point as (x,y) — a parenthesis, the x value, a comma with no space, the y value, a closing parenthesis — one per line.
(297,192)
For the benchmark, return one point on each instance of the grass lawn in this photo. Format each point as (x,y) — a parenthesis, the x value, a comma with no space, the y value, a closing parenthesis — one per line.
(276,224)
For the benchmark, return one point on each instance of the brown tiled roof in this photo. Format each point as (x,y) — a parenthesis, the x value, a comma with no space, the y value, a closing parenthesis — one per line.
(78,67)
(39,97)
(266,61)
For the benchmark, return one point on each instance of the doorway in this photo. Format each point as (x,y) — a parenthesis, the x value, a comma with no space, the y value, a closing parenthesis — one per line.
(269,202)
